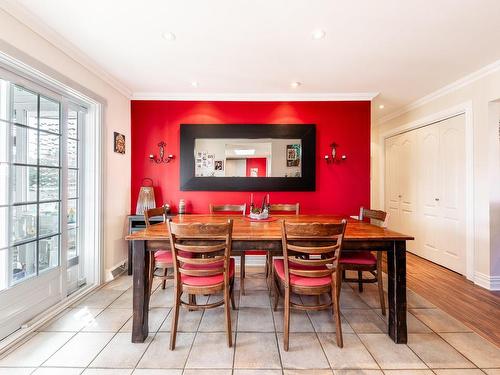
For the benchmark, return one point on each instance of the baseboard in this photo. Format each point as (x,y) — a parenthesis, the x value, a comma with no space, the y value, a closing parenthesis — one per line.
(115,271)
(488,282)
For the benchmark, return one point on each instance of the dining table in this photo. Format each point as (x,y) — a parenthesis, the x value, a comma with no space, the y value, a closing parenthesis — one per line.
(266,235)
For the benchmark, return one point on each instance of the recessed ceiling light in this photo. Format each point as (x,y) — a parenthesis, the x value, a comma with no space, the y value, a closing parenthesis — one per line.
(381,106)
(295,84)
(318,34)
(168,36)
(194,83)
(245,152)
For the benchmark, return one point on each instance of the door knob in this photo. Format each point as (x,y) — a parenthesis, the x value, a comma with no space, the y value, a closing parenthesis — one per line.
(400,196)
(436,199)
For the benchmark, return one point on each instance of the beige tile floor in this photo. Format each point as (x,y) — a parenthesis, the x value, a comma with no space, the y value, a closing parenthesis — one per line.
(93,337)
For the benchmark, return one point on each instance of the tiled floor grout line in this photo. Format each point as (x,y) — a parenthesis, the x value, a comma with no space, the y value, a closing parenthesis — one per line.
(271,304)
(195,335)
(236,328)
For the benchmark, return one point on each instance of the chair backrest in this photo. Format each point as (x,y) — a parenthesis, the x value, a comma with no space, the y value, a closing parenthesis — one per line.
(153,212)
(203,245)
(377,217)
(228,208)
(320,242)
(279,208)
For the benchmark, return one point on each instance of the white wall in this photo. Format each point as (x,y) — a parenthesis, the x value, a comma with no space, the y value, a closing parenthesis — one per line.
(481,91)
(23,43)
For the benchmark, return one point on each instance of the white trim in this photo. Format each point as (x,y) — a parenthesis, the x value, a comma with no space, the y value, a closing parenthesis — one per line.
(466,109)
(108,273)
(263,97)
(488,282)
(468,79)
(31,21)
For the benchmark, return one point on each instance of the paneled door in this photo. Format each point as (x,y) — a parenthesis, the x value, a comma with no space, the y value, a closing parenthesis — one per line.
(425,190)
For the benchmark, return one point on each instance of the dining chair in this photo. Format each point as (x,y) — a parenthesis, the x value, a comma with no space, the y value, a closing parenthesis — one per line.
(234,209)
(312,275)
(364,260)
(162,260)
(277,208)
(209,269)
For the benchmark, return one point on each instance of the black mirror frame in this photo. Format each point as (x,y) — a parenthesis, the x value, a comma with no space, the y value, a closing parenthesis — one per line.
(190,132)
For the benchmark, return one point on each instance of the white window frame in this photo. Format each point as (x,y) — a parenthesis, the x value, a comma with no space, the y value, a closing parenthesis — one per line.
(91,226)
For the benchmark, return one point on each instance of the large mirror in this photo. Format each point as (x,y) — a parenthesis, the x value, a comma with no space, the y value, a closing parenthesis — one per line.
(248,157)
(239,157)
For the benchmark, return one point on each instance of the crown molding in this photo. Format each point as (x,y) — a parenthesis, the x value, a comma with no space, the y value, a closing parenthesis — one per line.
(464,81)
(32,22)
(264,97)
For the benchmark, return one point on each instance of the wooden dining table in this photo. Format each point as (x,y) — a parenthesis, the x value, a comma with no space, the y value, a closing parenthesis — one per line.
(266,235)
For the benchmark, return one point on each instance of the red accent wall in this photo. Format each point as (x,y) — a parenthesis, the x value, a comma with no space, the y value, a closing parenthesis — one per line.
(259,163)
(340,188)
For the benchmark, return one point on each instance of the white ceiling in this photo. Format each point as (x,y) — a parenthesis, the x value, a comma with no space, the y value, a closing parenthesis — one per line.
(400,49)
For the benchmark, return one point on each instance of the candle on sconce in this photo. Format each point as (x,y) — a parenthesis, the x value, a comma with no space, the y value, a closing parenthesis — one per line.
(151,156)
(251,199)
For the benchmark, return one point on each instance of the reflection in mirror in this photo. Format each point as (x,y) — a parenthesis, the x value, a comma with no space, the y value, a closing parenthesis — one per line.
(266,157)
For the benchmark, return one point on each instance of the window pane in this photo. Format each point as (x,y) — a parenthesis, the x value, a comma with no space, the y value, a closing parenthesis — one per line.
(25,145)
(23,222)
(24,182)
(23,261)
(72,154)
(48,253)
(4,100)
(4,140)
(72,183)
(49,184)
(4,217)
(72,212)
(49,218)
(49,115)
(72,243)
(25,107)
(49,149)
(4,183)
(72,124)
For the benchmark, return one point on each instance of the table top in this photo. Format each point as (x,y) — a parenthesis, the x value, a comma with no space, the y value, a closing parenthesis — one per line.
(245,230)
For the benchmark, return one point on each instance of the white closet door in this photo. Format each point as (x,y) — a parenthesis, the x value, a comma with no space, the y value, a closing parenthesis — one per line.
(452,194)
(407,185)
(428,191)
(392,148)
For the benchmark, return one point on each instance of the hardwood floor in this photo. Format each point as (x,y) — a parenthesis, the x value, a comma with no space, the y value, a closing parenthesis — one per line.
(477,308)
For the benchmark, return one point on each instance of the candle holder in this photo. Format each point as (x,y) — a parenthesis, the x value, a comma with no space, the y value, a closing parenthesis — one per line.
(161,155)
(333,159)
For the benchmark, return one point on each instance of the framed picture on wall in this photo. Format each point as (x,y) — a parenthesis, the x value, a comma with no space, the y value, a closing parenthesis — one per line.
(219,165)
(293,155)
(119,143)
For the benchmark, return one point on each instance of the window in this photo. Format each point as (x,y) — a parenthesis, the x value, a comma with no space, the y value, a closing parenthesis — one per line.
(33,193)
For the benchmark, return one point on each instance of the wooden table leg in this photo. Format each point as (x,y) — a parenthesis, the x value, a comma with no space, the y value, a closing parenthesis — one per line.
(396,270)
(130,252)
(141,292)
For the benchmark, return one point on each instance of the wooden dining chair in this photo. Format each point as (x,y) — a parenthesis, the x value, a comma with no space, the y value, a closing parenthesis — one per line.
(161,262)
(209,270)
(276,209)
(312,275)
(233,209)
(364,260)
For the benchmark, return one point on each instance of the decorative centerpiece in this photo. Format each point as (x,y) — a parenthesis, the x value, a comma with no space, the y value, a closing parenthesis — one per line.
(259,213)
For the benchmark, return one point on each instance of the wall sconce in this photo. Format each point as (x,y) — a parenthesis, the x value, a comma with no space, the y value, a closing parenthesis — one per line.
(332,159)
(161,155)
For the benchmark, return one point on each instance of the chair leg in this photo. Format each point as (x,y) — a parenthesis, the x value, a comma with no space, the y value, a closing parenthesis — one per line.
(286,320)
(336,309)
(175,318)
(266,268)
(164,283)
(242,273)
(276,293)
(227,310)
(151,270)
(380,282)
(360,281)
(231,294)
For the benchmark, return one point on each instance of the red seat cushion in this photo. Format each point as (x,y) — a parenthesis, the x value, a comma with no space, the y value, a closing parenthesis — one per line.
(358,258)
(279,268)
(163,256)
(206,280)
